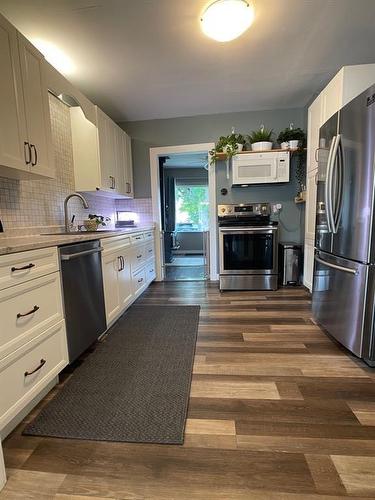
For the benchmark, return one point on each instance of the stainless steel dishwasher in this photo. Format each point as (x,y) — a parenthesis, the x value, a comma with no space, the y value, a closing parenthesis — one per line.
(81,271)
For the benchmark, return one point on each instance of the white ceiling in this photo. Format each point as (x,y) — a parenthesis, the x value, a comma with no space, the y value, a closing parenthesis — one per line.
(144,59)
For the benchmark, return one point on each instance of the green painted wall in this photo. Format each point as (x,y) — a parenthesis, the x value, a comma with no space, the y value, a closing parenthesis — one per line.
(207,128)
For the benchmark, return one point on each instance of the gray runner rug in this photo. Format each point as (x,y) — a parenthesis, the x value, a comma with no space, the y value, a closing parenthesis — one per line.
(134,387)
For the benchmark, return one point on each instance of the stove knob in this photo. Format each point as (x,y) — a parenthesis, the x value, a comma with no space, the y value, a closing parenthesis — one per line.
(222,210)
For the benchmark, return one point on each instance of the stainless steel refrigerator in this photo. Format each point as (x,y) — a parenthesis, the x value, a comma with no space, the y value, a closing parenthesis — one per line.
(344,267)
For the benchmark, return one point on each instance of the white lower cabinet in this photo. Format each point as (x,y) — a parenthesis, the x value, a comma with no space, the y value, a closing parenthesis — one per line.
(139,281)
(308,264)
(25,372)
(128,268)
(28,310)
(33,347)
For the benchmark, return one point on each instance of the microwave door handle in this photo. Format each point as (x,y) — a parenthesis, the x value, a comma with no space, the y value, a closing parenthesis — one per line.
(328,188)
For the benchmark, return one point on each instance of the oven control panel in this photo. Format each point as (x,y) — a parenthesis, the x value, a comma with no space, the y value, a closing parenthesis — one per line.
(244,210)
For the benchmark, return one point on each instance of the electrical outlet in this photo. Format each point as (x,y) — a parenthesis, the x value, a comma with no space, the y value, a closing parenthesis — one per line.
(276,208)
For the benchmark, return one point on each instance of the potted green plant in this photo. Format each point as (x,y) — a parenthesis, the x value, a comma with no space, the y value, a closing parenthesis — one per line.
(94,221)
(260,139)
(292,138)
(228,144)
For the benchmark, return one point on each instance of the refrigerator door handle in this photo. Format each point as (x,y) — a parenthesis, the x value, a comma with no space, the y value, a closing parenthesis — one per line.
(340,166)
(335,201)
(336,266)
(328,187)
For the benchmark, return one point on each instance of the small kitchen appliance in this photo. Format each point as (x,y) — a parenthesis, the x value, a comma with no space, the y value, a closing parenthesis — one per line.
(247,247)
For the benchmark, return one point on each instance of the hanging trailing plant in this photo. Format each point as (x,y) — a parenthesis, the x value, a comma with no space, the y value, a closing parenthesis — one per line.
(228,144)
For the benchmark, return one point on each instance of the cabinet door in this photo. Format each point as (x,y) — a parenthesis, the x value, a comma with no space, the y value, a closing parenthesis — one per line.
(308,265)
(332,96)
(111,266)
(125,279)
(38,121)
(314,122)
(310,214)
(120,162)
(13,152)
(107,145)
(129,167)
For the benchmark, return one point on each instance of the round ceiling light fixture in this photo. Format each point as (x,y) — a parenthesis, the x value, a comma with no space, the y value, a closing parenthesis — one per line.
(225,20)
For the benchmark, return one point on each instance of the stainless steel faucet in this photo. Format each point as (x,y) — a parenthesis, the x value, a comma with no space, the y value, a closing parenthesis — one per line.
(84,203)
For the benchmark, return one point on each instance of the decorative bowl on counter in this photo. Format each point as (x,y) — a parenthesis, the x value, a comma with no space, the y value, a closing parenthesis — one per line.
(90,224)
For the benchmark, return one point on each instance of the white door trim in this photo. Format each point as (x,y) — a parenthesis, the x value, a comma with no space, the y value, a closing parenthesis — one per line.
(3,477)
(156,208)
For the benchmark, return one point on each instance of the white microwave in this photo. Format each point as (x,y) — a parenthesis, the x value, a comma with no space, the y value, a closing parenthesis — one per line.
(260,168)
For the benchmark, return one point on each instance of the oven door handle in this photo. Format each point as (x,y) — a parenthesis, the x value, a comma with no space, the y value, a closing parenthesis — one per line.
(247,229)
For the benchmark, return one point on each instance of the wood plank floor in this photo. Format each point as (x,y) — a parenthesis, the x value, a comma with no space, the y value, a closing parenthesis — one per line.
(277,411)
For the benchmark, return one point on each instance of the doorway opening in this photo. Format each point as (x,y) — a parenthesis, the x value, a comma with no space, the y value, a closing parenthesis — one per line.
(184,199)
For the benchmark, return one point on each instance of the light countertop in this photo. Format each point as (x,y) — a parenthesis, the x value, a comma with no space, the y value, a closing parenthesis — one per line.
(14,244)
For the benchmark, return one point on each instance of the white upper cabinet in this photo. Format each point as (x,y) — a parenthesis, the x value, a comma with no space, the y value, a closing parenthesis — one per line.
(128,166)
(347,84)
(314,121)
(38,120)
(13,152)
(102,161)
(25,127)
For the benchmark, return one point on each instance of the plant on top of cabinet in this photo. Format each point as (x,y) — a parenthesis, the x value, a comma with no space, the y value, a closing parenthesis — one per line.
(260,139)
(227,144)
(292,138)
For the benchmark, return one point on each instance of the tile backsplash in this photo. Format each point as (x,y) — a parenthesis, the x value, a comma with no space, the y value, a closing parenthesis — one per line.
(140,206)
(31,206)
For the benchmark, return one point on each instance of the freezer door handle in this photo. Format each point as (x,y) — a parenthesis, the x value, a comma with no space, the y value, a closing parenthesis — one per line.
(336,266)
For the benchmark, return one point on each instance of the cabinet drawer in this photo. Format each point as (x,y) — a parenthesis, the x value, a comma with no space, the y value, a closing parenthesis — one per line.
(149,251)
(27,310)
(150,272)
(137,238)
(137,257)
(23,266)
(138,281)
(113,244)
(148,235)
(45,356)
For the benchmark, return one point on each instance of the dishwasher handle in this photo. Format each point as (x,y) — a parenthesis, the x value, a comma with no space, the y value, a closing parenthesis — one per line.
(80,254)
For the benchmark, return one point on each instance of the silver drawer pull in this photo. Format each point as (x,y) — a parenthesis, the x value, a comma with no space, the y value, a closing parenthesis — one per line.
(140,280)
(41,364)
(28,266)
(150,251)
(138,238)
(33,310)
(139,256)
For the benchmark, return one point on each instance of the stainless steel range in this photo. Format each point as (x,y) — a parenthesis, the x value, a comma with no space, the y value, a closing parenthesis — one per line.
(248,242)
